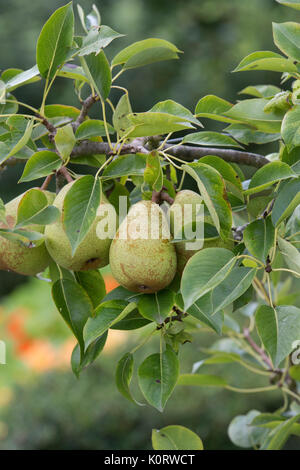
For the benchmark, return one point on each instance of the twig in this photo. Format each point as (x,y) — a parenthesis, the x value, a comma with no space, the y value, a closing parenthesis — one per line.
(47,181)
(86,105)
(257,349)
(64,172)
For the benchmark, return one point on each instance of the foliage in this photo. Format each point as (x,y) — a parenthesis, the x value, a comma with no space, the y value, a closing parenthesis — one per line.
(255,222)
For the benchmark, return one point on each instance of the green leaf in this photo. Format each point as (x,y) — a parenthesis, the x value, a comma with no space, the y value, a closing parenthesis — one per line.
(74,305)
(260,91)
(150,123)
(201,380)
(290,3)
(92,20)
(211,139)
(290,255)
(213,107)
(34,209)
(23,78)
(156,307)
(204,271)
(124,375)
(61,110)
(80,208)
(215,322)
(125,165)
(294,372)
(242,433)
(121,122)
(175,438)
(92,352)
(93,283)
(171,107)
(92,128)
(252,112)
(266,60)
(290,128)
(286,201)
(97,39)
(23,237)
(145,52)
(269,175)
(153,174)
(259,237)
(212,189)
(246,135)
(105,316)
(287,39)
(73,72)
(267,327)
(65,141)
(2,212)
(97,70)
(224,168)
(18,140)
(40,164)
(281,433)
(157,377)
(55,41)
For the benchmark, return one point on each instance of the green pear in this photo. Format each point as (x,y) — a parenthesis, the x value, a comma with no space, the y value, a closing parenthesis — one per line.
(183,197)
(142,259)
(16,257)
(93,252)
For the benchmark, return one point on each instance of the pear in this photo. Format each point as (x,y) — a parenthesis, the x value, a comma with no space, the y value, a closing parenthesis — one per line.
(142,259)
(183,197)
(93,252)
(16,257)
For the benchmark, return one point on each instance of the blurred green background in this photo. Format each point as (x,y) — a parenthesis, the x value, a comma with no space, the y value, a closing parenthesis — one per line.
(42,406)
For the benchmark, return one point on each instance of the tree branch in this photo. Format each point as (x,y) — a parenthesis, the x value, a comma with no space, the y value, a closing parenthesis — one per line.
(185,152)
(86,105)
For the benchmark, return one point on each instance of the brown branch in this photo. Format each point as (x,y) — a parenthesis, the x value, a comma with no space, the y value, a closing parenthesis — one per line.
(52,129)
(185,152)
(86,105)
(64,172)
(47,182)
(259,350)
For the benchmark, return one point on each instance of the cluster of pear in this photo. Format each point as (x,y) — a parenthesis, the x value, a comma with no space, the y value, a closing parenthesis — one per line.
(141,255)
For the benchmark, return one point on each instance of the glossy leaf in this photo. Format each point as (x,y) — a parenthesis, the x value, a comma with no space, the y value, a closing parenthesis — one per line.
(121,122)
(97,39)
(175,438)
(259,237)
(23,78)
(153,174)
(80,208)
(213,107)
(34,209)
(290,128)
(269,175)
(154,123)
(290,3)
(124,373)
(280,434)
(89,356)
(156,307)
(65,141)
(210,139)
(97,70)
(93,283)
(92,128)
(267,327)
(41,164)
(157,377)
(286,201)
(287,38)
(266,60)
(125,165)
(171,107)
(290,255)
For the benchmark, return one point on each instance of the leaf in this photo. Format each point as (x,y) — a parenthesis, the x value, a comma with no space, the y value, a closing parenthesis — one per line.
(246,135)
(290,3)
(224,168)
(90,355)
(287,39)
(18,140)
(260,91)
(73,72)
(55,41)
(92,20)
(252,112)
(65,141)
(204,271)
(125,165)
(156,307)
(93,283)
(290,255)
(105,316)
(175,438)
(80,208)
(23,237)
(40,164)
(97,39)
(121,121)
(290,128)
(213,107)
(23,78)
(280,434)
(97,70)
(34,209)
(124,375)
(153,174)
(269,175)
(157,377)
(74,305)
(215,322)
(145,52)
(294,372)
(259,238)
(242,433)
(212,189)
(286,201)
(92,128)
(266,60)
(209,138)
(267,327)
(150,123)
(2,212)
(201,380)
(171,107)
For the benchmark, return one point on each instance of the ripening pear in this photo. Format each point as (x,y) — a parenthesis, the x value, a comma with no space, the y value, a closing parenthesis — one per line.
(142,259)
(183,217)
(16,257)
(93,251)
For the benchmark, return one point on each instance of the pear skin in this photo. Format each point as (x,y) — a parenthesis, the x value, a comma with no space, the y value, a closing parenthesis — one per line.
(92,253)
(16,257)
(142,259)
